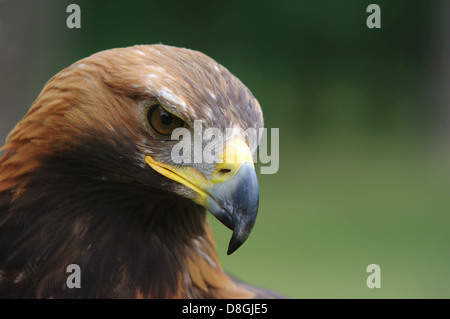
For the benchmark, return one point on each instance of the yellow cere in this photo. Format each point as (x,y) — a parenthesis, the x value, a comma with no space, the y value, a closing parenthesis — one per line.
(235,153)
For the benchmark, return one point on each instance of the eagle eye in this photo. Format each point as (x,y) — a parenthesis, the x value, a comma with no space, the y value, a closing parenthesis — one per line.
(161,121)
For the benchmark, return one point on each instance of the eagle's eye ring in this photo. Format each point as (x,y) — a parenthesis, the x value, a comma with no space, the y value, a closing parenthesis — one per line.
(161,121)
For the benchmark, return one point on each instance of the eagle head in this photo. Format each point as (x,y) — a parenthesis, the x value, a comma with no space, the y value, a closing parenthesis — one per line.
(95,164)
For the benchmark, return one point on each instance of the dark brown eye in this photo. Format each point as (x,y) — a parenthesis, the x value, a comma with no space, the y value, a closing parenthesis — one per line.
(161,121)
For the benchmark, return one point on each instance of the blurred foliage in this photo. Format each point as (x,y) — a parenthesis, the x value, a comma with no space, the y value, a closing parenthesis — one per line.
(313,65)
(362,175)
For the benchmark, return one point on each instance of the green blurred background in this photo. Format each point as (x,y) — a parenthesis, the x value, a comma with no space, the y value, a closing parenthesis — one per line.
(364,121)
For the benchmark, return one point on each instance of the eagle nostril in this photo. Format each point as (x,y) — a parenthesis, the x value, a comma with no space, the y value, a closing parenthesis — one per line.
(224,171)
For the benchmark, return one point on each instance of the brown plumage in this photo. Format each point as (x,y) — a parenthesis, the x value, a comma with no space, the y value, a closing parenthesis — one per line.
(77,185)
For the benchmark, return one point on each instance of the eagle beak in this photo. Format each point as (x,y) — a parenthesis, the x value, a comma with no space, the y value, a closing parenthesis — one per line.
(235,204)
(231,194)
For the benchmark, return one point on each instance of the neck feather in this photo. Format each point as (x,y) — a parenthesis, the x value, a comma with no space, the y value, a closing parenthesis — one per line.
(130,240)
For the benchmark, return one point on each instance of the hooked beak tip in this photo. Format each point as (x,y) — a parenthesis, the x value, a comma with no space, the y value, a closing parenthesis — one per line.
(238,200)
